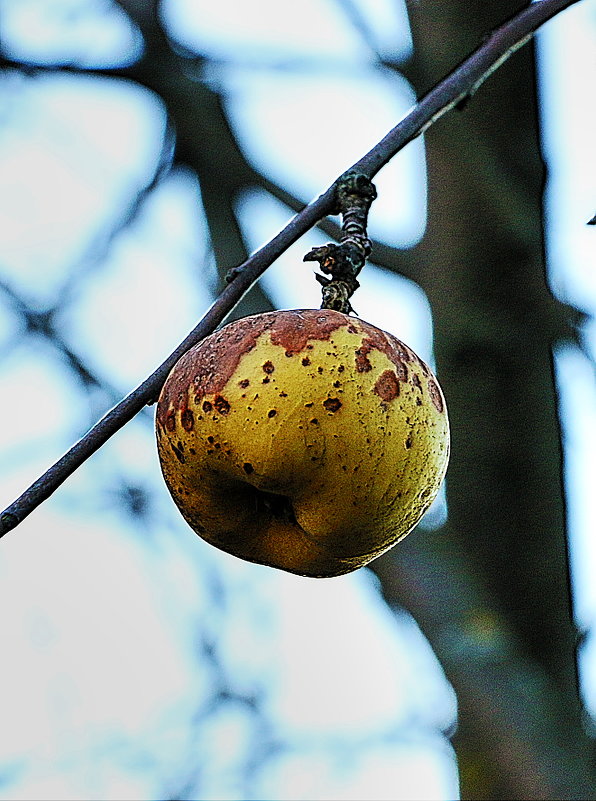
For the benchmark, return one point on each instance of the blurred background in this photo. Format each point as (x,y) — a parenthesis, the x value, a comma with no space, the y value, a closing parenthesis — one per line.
(145,148)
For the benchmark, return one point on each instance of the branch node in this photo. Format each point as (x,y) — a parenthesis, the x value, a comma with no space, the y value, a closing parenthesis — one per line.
(232,274)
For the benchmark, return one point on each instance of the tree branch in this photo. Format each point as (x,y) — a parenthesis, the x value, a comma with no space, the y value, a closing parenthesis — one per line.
(453,90)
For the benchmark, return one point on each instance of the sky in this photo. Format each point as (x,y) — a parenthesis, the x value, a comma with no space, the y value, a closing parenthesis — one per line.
(123,630)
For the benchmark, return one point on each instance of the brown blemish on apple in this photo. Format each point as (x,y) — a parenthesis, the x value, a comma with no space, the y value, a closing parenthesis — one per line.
(363,364)
(305,361)
(294,329)
(268,367)
(332,404)
(207,406)
(271,412)
(187,419)
(416,381)
(396,352)
(387,386)
(435,395)
(221,404)
(248,468)
(244,383)
(171,421)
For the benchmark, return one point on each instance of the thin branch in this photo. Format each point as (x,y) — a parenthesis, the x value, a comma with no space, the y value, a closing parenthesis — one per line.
(456,87)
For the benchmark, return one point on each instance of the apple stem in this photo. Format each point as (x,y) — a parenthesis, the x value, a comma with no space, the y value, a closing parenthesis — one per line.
(354,194)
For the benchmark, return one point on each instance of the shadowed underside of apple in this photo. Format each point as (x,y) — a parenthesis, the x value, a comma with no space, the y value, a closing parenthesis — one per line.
(306,440)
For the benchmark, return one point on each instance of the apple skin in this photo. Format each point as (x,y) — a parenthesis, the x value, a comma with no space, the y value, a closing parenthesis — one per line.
(306,440)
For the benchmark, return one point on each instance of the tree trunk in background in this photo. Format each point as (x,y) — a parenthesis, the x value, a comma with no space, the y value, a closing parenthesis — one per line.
(520,732)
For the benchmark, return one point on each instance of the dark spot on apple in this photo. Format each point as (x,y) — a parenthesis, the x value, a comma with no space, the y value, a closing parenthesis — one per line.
(221,404)
(244,383)
(416,381)
(337,384)
(319,370)
(211,440)
(283,394)
(171,421)
(192,450)
(308,405)
(187,419)
(435,395)
(332,404)
(178,453)
(341,368)
(266,380)
(314,421)
(271,412)
(268,367)
(305,361)
(387,386)
(248,468)
(408,442)
(418,401)
(207,407)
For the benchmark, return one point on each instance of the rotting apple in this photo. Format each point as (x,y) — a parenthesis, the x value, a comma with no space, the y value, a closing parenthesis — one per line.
(307,440)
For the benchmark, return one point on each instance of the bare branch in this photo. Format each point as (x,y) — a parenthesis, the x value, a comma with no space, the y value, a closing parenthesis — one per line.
(458,85)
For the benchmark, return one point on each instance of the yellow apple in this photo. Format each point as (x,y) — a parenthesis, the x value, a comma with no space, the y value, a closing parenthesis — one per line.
(307,440)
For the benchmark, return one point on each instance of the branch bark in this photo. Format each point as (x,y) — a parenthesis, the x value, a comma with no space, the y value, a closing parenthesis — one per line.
(447,94)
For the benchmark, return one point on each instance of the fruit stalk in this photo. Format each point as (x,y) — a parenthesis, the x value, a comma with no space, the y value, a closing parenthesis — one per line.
(354,193)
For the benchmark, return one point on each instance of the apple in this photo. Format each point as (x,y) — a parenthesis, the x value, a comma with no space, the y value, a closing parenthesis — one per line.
(307,440)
